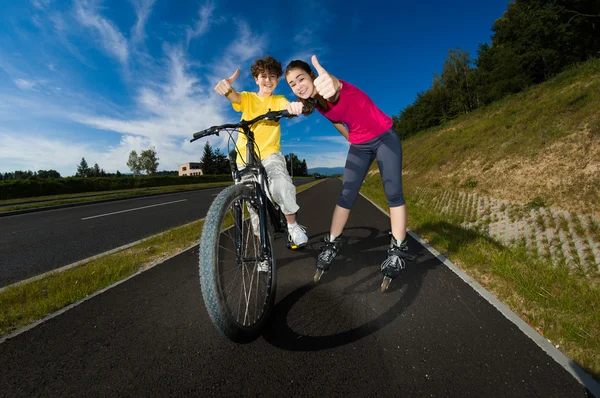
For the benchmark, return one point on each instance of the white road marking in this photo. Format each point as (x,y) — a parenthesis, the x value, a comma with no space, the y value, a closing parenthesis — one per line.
(137,208)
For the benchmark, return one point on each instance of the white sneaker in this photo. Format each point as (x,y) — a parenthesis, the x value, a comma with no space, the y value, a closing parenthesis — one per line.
(297,235)
(263,266)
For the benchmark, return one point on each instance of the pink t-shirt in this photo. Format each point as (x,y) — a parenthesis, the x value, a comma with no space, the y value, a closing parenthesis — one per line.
(359,113)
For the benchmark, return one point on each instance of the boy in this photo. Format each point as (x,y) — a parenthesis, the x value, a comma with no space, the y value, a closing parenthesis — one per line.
(267,134)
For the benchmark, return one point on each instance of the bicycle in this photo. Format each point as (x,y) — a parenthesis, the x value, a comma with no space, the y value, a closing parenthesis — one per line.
(232,246)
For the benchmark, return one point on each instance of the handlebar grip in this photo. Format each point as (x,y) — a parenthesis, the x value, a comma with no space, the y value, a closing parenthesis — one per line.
(285,113)
(202,134)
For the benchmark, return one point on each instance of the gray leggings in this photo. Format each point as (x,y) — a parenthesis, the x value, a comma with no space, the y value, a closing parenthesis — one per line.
(388,151)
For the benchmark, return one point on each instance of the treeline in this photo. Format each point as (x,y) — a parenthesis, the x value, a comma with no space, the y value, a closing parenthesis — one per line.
(533,41)
(213,161)
(42,187)
(296,166)
(24,175)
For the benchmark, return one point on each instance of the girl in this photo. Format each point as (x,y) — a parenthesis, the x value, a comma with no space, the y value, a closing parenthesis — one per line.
(370,133)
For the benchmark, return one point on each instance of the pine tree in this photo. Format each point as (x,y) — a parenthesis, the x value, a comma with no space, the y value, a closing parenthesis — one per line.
(83,170)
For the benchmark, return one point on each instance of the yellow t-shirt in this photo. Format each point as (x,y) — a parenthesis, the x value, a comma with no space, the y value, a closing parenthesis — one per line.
(267,133)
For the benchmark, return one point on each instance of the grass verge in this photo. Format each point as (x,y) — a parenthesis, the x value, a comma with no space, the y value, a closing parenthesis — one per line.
(561,305)
(25,303)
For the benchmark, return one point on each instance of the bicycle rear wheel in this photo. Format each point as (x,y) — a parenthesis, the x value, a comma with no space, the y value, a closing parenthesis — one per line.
(238,296)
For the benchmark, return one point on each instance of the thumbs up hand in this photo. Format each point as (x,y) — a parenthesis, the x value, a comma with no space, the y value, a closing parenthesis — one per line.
(327,86)
(224,86)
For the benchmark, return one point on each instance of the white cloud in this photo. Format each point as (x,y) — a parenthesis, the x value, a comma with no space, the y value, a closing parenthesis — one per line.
(338,139)
(176,108)
(41,4)
(201,26)
(143,8)
(111,38)
(33,152)
(329,159)
(182,105)
(172,100)
(246,47)
(24,84)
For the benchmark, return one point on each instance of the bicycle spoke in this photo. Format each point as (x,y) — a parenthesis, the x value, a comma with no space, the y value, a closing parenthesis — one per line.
(245,290)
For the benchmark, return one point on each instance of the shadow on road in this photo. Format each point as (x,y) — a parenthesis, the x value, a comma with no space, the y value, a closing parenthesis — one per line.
(346,305)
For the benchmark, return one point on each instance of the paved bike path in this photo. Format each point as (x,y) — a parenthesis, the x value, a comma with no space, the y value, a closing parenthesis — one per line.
(429,335)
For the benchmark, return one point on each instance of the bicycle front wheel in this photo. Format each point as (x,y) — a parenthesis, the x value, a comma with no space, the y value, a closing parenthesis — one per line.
(238,283)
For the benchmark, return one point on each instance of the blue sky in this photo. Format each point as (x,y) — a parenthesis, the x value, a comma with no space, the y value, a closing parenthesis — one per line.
(98,79)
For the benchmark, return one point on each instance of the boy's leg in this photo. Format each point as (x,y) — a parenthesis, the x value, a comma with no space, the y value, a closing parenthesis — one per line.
(283,192)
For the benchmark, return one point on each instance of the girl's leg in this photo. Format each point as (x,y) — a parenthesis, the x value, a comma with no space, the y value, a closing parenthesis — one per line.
(358,161)
(340,217)
(357,164)
(398,219)
(389,160)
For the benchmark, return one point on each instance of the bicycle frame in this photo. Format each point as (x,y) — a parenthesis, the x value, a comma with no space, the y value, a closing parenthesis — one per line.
(265,202)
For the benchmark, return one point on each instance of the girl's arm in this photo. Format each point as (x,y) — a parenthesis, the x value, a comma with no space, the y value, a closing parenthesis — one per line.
(342,129)
(224,88)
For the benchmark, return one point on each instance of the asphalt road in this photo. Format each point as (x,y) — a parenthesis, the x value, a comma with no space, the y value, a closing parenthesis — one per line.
(429,335)
(34,243)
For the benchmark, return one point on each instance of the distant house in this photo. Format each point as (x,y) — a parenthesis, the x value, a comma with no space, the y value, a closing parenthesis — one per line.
(190,169)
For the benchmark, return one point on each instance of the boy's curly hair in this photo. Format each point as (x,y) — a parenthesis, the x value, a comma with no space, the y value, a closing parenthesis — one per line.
(266,64)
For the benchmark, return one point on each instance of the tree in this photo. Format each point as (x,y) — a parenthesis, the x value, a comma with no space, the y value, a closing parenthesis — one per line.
(303,168)
(134,163)
(455,77)
(221,163)
(296,166)
(95,171)
(118,174)
(208,160)
(83,169)
(148,161)
(48,174)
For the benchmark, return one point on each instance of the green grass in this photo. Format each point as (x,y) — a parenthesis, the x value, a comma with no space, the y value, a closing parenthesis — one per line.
(517,134)
(21,304)
(561,305)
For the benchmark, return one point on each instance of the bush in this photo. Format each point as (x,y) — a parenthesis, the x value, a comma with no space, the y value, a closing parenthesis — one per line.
(15,189)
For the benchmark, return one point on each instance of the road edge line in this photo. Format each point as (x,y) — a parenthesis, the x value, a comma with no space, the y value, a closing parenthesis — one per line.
(584,378)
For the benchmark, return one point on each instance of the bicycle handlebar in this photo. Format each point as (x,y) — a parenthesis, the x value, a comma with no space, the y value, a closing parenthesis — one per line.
(271,115)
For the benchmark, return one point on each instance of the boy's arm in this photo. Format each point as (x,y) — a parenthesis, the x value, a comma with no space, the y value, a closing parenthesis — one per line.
(342,129)
(224,88)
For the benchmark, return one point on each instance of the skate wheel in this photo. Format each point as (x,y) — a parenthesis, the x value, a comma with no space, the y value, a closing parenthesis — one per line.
(385,283)
(318,275)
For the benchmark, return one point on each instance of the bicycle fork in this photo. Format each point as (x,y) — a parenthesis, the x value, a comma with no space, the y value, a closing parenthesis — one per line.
(239,217)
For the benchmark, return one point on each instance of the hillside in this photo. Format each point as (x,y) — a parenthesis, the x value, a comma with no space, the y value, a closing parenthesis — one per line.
(540,146)
(511,195)
(326,170)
